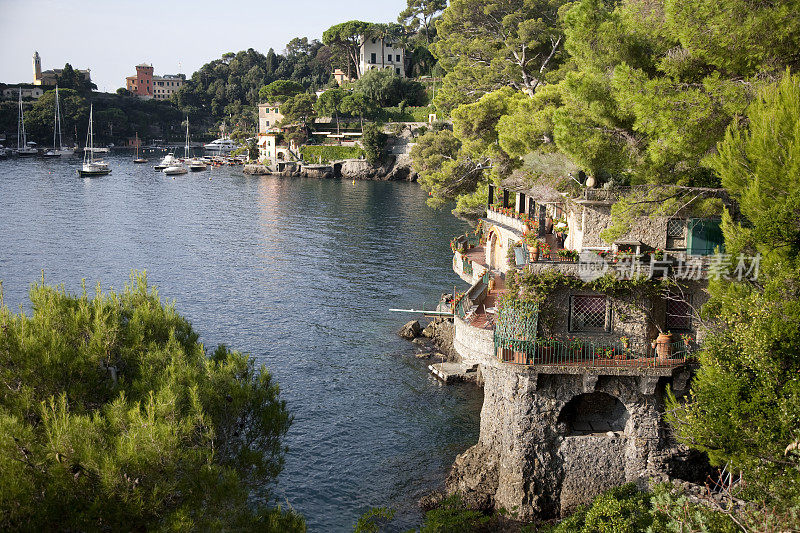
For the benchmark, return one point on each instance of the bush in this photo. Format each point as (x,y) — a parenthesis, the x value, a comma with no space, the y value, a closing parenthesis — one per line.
(328,153)
(374,141)
(116,418)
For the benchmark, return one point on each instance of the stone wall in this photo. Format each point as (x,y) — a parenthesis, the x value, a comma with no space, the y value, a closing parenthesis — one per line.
(474,345)
(526,458)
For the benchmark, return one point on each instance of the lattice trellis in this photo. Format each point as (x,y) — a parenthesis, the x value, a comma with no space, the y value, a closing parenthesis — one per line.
(675,227)
(517,321)
(588,312)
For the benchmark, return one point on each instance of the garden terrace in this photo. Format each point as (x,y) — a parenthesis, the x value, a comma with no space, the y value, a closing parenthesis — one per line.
(578,354)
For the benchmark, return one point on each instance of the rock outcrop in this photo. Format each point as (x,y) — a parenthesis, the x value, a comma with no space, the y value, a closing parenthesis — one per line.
(550,442)
(411,330)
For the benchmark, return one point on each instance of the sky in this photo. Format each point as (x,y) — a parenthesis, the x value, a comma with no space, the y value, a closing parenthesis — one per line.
(111,37)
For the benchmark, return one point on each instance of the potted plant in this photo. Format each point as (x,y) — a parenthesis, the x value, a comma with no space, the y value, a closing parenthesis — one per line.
(567,255)
(544,250)
(664,346)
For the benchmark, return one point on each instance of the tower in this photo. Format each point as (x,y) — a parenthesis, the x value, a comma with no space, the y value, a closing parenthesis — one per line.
(37,69)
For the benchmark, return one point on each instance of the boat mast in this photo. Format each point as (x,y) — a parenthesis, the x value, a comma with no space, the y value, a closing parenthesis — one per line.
(186,149)
(58,124)
(21,124)
(91,134)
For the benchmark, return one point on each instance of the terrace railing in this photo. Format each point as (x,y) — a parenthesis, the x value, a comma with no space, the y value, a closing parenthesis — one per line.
(576,353)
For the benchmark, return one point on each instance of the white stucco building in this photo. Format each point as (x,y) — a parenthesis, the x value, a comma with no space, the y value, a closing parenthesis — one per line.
(377,53)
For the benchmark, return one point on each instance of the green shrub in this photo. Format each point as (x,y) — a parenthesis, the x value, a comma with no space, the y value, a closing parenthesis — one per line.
(328,153)
(114,417)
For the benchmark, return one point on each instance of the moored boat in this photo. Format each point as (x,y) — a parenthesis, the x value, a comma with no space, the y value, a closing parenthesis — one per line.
(90,167)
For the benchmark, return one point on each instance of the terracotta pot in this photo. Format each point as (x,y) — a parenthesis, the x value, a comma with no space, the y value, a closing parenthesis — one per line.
(533,254)
(504,354)
(663,346)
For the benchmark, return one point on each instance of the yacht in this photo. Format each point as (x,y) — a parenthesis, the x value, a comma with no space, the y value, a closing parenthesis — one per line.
(24,148)
(220,146)
(178,167)
(167,161)
(3,152)
(90,167)
(196,165)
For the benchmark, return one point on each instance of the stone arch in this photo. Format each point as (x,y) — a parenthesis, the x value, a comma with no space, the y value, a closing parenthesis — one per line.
(594,413)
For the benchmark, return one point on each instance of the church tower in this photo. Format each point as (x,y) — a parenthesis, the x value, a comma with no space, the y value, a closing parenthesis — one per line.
(37,69)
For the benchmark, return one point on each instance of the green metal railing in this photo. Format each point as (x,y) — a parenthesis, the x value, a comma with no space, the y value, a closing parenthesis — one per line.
(460,308)
(575,352)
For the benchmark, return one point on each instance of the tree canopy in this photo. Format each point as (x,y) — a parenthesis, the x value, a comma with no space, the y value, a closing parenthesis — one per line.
(744,409)
(114,416)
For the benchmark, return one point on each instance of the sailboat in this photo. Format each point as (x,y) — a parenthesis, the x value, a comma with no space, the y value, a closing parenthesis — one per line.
(91,167)
(24,148)
(177,166)
(195,164)
(58,149)
(138,159)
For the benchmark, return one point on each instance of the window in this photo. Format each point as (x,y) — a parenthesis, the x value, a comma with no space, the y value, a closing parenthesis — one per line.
(372,57)
(589,313)
(675,227)
(679,313)
(703,236)
(397,70)
(389,58)
(398,58)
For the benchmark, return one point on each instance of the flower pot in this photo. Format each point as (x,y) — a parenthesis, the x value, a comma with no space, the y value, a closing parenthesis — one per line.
(664,346)
(504,354)
(533,254)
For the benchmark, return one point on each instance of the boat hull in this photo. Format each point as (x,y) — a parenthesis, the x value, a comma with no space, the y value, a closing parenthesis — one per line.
(93,173)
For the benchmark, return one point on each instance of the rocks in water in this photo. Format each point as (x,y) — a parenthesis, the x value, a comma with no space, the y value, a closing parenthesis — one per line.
(411,330)
(432,500)
(429,331)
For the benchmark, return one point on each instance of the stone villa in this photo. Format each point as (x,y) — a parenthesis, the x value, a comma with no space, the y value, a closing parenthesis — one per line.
(147,86)
(574,385)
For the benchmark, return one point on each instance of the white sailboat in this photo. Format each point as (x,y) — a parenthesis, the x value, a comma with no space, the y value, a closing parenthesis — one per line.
(177,167)
(138,159)
(195,164)
(24,148)
(91,167)
(58,148)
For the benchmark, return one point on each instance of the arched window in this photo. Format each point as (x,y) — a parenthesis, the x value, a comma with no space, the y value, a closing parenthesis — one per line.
(594,413)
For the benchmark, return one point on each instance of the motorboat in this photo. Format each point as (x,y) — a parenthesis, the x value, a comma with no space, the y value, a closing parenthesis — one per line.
(90,167)
(197,165)
(179,167)
(220,146)
(3,152)
(167,161)
(175,169)
(24,148)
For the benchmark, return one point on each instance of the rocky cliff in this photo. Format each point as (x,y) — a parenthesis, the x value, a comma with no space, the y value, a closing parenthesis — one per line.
(550,442)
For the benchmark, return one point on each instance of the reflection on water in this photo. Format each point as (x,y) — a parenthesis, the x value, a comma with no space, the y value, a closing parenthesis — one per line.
(300,273)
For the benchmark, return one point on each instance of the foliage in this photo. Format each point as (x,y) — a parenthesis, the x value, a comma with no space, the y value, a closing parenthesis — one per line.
(298,114)
(329,104)
(626,509)
(469,156)
(744,408)
(372,520)
(231,86)
(279,91)
(347,39)
(116,118)
(485,46)
(374,141)
(452,516)
(358,105)
(386,88)
(71,79)
(328,153)
(421,14)
(113,416)
(661,201)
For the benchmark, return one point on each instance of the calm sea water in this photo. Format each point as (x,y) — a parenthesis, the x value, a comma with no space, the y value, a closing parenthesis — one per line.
(300,273)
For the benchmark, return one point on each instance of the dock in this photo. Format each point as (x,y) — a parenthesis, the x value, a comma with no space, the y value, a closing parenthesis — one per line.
(454,372)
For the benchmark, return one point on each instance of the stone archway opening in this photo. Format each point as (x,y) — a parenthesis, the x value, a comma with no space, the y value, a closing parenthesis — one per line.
(595,413)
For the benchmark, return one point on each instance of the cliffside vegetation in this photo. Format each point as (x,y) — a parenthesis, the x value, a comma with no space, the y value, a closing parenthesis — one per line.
(632,93)
(113,416)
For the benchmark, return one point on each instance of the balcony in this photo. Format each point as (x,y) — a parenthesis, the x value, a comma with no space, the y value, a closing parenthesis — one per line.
(578,354)
(506,217)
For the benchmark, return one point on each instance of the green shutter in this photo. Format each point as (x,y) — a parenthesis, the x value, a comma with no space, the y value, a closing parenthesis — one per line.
(703,236)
